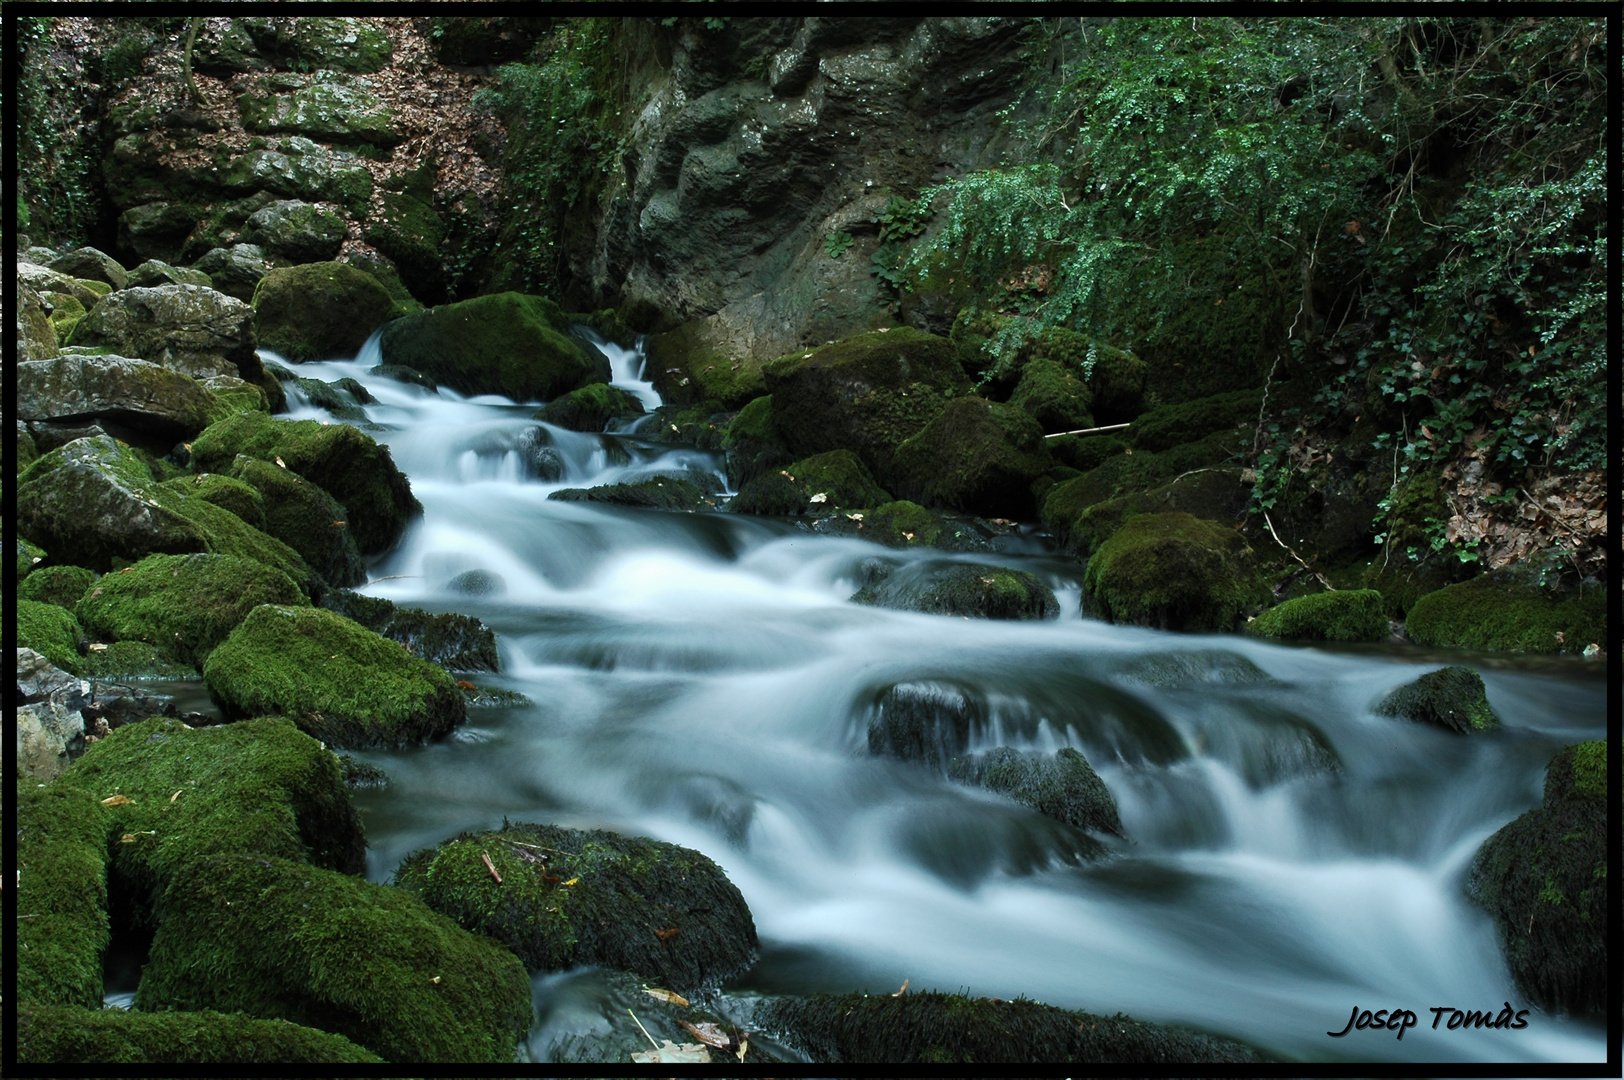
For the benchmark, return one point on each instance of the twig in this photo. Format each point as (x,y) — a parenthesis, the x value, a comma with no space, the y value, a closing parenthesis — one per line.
(485,857)
(1556,520)
(1257,433)
(643,1029)
(393,577)
(1328,586)
(1088,430)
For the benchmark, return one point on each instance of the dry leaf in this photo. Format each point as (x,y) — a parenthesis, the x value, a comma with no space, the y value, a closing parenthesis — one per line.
(667,935)
(176,795)
(116,800)
(490,866)
(665,995)
(744,1048)
(97,646)
(671,1054)
(571,881)
(708,1033)
(904,989)
(435,980)
(820,497)
(280,462)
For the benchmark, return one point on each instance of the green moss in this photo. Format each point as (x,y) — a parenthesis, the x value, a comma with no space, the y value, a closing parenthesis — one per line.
(1085,452)
(658,493)
(59,1034)
(412,234)
(974,456)
(342,683)
(1061,785)
(26,556)
(753,443)
(1451,697)
(305,517)
(1345,615)
(59,585)
(230,493)
(62,895)
(969,589)
(456,642)
(903,524)
(27,452)
(591,408)
(772,494)
(134,660)
(1172,571)
(701,370)
(1589,764)
(626,891)
(1492,612)
(231,400)
(1054,396)
(318,311)
(347,463)
(1214,493)
(222,532)
(927,1026)
(1172,425)
(51,631)
(184,604)
(1118,381)
(66,311)
(701,425)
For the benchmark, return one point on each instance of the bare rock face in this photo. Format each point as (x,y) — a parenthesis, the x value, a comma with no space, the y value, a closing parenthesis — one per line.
(194,330)
(135,393)
(761,141)
(50,728)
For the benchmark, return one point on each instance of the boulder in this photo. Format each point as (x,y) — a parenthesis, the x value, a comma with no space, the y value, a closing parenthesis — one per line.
(665,912)
(591,408)
(150,399)
(49,737)
(1189,421)
(1173,572)
(1053,396)
(973,590)
(820,483)
(158,229)
(196,331)
(296,230)
(65,313)
(336,44)
(1061,785)
(341,682)
(657,493)
(63,1034)
(59,585)
(1216,493)
(235,270)
(1451,697)
(930,722)
(347,463)
(90,264)
(455,642)
(1543,878)
(318,311)
(753,443)
(184,604)
(61,850)
(905,524)
(325,395)
(404,374)
(411,234)
(156,272)
(49,630)
(508,343)
(866,393)
(45,281)
(299,168)
(974,456)
(36,334)
(305,517)
(1347,615)
(333,108)
(1118,381)
(1507,609)
(228,493)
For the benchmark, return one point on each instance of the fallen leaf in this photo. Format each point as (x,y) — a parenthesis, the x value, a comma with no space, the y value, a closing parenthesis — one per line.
(176,795)
(667,996)
(908,535)
(466,685)
(820,497)
(435,980)
(339,524)
(98,646)
(904,989)
(126,570)
(744,1048)
(116,800)
(490,866)
(667,935)
(854,517)
(280,462)
(708,1033)
(671,1053)
(572,881)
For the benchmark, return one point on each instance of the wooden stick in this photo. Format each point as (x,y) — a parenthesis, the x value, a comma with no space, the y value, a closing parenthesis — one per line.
(1088,430)
(491,867)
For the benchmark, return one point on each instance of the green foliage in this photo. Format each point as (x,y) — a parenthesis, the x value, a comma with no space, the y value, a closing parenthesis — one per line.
(900,221)
(58,163)
(836,243)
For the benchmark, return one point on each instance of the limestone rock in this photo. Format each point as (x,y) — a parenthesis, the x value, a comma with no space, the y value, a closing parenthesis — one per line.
(140,395)
(297,230)
(92,265)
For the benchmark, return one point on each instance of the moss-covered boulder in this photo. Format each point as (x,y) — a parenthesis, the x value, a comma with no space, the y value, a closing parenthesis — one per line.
(1053,396)
(1214,492)
(1118,379)
(318,311)
(974,456)
(61,846)
(1172,425)
(1451,697)
(820,483)
(194,330)
(157,272)
(687,364)
(904,524)
(577,896)
(412,235)
(656,493)
(347,463)
(866,393)
(508,343)
(341,682)
(1544,880)
(51,631)
(773,494)
(305,517)
(145,397)
(930,722)
(1510,611)
(59,585)
(184,604)
(124,660)
(332,108)
(36,334)
(1173,572)
(973,590)
(234,270)
(91,264)
(228,493)
(296,230)
(299,168)
(1346,615)
(65,313)
(65,1034)
(935,1028)
(591,408)
(455,642)
(753,443)
(1061,785)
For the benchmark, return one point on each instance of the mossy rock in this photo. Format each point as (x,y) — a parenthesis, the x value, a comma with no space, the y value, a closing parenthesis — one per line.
(1053,396)
(325,395)
(1118,380)
(1216,493)
(929,722)
(508,343)
(974,456)
(1192,669)
(184,604)
(401,373)
(753,443)
(1543,878)
(280,938)
(412,235)
(656,493)
(772,494)
(59,585)
(667,913)
(686,366)
(341,682)
(973,590)
(65,1034)
(157,272)
(820,483)
(62,882)
(304,516)
(318,311)
(25,556)
(1497,611)
(27,452)
(334,108)
(66,311)
(1085,452)
(455,642)
(230,493)
(935,1028)
(51,631)
(1345,615)
(1172,571)
(1061,785)
(134,660)
(905,524)
(1451,697)
(349,464)
(1172,425)
(701,425)
(866,393)
(591,408)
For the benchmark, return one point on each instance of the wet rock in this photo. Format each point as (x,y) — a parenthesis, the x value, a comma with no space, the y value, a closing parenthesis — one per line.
(1451,697)
(1061,785)
(1346,615)
(974,590)
(1192,669)
(455,642)
(324,395)
(591,408)
(51,631)
(402,373)
(658,493)
(318,311)
(361,774)
(664,912)
(156,272)
(305,517)
(59,1033)
(820,483)
(927,722)
(196,331)
(1173,572)
(974,456)
(91,265)
(36,336)
(1544,880)
(146,397)
(296,230)
(235,270)
(477,583)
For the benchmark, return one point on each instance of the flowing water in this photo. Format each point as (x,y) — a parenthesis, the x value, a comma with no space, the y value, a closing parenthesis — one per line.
(703,679)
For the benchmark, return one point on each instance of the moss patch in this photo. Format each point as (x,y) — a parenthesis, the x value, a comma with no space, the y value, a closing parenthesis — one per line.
(1451,697)
(1172,425)
(1492,612)
(304,516)
(1053,396)
(702,371)
(591,408)
(903,524)
(230,493)
(51,631)
(1174,572)
(974,456)
(341,682)
(456,642)
(318,311)
(665,912)
(62,889)
(753,443)
(1345,615)
(61,1034)
(59,585)
(969,589)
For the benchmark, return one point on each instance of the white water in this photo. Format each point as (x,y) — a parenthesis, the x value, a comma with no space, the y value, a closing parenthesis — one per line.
(703,679)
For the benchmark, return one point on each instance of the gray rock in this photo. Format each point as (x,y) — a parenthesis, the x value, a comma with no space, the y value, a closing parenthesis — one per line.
(1061,785)
(36,337)
(157,230)
(235,270)
(49,737)
(332,108)
(302,169)
(156,272)
(38,254)
(298,230)
(195,330)
(39,680)
(138,394)
(42,279)
(92,265)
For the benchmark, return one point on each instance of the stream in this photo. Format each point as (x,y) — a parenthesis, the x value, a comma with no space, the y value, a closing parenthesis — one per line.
(703,679)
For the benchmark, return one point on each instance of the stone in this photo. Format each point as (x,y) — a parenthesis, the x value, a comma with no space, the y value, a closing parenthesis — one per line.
(36,336)
(1345,615)
(1510,609)
(296,230)
(318,311)
(49,630)
(43,280)
(236,270)
(455,642)
(49,737)
(61,852)
(300,168)
(1452,698)
(1053,396)
(333,108)
(194,330)
(656,493)
(929,722)
(157,272)
(591,408)
(143,396)
(61,1033)
(1172,571)
(974,456)
(90,264)
(1061,785)
(159,229)
(304,516)
(972,590)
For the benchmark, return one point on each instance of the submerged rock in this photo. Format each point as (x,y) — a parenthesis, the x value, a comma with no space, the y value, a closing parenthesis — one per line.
(575,896)
(970,589)
(1347,615)
(927,722)
(1451,697)
(1061,785)
(658,493)
(455,642)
